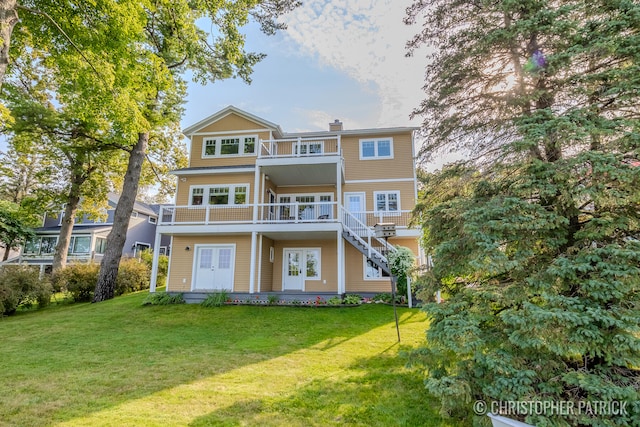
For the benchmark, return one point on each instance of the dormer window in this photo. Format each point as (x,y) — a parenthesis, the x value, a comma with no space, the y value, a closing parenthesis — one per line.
(223,146)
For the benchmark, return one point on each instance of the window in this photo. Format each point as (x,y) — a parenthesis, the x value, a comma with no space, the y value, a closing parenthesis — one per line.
(153,220)
(376,149)
(101,245)
(312,257)
(233,194)
(309,148)
(41,245)
(196,196)
(79,245)
(229,146)
(134,214)
(372,271)
(219,196)
(387,201)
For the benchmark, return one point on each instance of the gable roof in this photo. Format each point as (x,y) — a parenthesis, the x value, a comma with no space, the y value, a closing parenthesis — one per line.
(225,112)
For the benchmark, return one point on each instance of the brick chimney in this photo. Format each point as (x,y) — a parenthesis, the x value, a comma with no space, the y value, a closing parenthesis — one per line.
(335,126)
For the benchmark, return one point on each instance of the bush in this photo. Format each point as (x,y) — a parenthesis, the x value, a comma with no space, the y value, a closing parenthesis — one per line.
(334,301)
(163,298)
(20,285)
(216,299)
(352,299)
(79,280)
(133,276)
(163,264)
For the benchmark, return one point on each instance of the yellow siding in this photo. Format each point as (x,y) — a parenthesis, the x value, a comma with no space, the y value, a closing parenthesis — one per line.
(406,188)
(266,278)
(229,123)
(328,264)
(401,166)
(182,260)
(184,187)
(354,261)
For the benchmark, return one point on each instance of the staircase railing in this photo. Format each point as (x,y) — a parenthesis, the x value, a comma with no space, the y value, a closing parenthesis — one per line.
(365,235)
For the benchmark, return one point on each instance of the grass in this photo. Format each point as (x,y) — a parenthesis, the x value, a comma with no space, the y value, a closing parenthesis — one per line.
(118,363)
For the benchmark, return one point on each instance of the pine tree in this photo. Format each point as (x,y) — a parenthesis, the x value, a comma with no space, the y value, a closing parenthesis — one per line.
(536,240)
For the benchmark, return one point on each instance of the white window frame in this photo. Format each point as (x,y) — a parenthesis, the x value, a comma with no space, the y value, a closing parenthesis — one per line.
(153,220)
(316,198)
(242,141)
(232,194)
(376,142)
(72,243)
(386,210)
(380,272)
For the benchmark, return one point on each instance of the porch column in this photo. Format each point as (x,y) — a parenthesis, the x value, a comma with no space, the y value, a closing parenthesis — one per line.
(154,264)
(256,193)
(340,252)
(259,264)
(252,269)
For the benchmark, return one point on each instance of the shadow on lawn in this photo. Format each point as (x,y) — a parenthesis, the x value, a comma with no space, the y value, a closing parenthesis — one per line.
(76,360)
(381,392)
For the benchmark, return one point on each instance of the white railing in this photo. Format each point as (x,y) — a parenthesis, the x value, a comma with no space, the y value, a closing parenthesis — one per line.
(278,212)
(299,147)
(365,235)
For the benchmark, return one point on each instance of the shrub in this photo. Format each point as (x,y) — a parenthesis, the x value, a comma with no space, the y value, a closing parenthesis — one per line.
(79,280)
(163,298)
(133,276)
(20,285)
(272,299)
(352,299)
(216,299)
(163,264)
(334,301)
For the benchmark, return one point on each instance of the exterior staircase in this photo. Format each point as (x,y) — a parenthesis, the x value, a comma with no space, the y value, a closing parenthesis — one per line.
(363,238)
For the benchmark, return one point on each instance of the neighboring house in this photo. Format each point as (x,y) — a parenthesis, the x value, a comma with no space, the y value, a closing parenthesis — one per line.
(89,237)
(259,210)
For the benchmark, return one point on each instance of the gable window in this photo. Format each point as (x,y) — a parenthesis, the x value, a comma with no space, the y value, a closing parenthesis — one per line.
(229,146)
(233,194)
(372,271)
(376,148)
(387,201)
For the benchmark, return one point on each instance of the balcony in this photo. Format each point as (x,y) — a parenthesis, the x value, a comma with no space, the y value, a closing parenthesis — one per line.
(302,161)
(276,213)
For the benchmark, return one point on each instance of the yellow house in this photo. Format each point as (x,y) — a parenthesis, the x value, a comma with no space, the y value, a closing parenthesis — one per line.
(259,210)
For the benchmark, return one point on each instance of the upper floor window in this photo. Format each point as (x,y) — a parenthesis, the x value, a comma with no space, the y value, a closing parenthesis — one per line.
(376,148)
(221,146)
(233,194)
(387,201)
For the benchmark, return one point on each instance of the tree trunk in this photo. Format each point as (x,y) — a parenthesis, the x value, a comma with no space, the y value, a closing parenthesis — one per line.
(8,19)
(105,288)
(66,228)
(6,253)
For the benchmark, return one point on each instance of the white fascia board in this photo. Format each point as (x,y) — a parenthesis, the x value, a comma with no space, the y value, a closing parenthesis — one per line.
(212,171)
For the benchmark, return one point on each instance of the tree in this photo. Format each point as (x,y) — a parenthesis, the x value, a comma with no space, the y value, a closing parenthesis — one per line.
(536,239)
(174,45)
(15,229)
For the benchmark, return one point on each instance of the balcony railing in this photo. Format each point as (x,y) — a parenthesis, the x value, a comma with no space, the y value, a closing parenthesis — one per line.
(300,147)
(292,212)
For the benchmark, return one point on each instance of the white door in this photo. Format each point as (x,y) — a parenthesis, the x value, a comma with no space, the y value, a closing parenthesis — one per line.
(354,203)
(293,274)
(213,267)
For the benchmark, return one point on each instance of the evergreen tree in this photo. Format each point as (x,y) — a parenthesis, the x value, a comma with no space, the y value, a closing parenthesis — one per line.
(535,241)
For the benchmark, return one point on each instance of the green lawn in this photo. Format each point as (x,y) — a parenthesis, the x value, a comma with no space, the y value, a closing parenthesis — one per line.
(120,364)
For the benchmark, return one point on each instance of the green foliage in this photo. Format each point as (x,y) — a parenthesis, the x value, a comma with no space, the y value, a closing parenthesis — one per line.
(334,301)
(272,299)
(14,227)
(20,285)
(535,244)
(352,299)
(216,299)
(133,276)
(163,264)
(163,298)
(79,280)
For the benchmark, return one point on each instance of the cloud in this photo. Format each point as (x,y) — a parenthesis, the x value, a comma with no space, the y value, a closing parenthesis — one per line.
(366,40)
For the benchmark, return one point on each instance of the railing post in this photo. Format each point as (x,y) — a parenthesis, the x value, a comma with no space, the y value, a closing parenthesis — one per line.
(298,150)
(207,213)
(173,215)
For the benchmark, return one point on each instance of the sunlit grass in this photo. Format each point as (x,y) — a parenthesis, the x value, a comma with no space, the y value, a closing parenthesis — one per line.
(119,363)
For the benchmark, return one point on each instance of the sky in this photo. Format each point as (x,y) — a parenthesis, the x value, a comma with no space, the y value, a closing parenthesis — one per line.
(340,59)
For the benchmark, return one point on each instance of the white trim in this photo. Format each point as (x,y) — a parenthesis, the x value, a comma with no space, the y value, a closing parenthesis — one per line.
(212,171)
(230,132)
(365,181)
(198,246)
(232,191)
(241,143)
(305,251)
(252,260)
(376,141)
(372,279)
(155,220)
(259,263)
(387,192)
